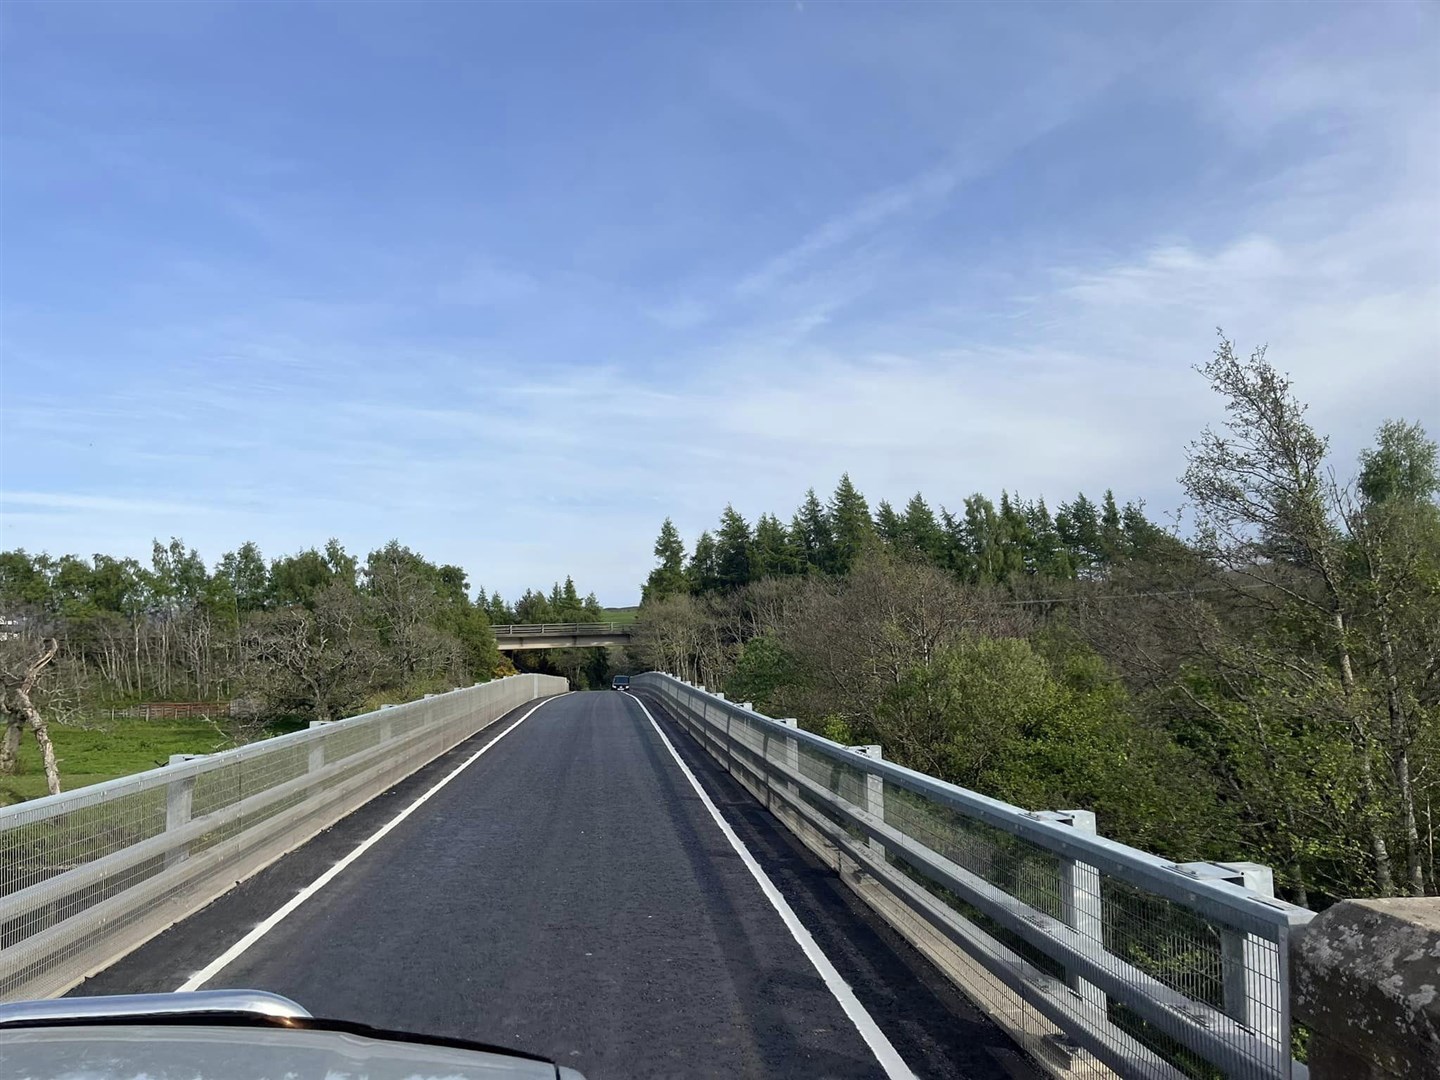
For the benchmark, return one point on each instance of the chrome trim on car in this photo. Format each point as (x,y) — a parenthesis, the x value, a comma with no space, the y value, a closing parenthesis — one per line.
(140,1006)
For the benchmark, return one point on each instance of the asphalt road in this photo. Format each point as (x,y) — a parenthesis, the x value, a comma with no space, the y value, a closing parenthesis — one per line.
(569,894)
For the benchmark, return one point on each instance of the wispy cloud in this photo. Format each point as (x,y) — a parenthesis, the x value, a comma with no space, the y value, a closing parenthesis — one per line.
(926,257)
(104,504)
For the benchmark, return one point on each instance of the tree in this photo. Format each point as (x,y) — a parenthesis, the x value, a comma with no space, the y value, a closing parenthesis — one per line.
(342,565)
(811,530)
(667,636)
(920,532)
(852,637)
(1078,524)
(117,585)
(409,596)
(734,550)
(1047,556)
(761,669)
(888,526)
(1395,539)
(498,612)
(704,571)
(573,603)
(23,667)
(851,528)
(178,574)
(23,580)
(248,576)
(296,578)
(321,659)
(1267,516)
(534,607)
(776,553)
(471,627)
(982,541)
(668,577)
(1112,529)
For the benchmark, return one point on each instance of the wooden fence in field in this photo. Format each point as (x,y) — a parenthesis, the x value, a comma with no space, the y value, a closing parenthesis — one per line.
(170,710)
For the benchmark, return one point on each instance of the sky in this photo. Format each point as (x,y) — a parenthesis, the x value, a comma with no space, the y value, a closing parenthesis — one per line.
(513,283)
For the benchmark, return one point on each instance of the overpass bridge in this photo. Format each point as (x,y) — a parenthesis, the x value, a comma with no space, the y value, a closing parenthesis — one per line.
(561,635)
(654,884)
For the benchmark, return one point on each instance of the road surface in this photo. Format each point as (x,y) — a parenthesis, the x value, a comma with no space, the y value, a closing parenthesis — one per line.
(569,894)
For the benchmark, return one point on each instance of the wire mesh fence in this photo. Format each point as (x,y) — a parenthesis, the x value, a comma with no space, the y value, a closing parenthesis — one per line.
(1100,959)
(87,875)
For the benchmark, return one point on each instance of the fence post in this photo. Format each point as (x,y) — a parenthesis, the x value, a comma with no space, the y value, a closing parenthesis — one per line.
(789,755)
(1080,905)
(1250,964)
(873,801)
(316,761)
(1363,981)
(179,801)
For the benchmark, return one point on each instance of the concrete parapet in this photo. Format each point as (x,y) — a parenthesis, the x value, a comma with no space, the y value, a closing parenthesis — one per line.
(1365,978)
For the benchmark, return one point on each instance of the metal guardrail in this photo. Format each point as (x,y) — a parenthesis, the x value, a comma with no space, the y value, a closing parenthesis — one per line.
(88,875)
(557,629)
(1125,963)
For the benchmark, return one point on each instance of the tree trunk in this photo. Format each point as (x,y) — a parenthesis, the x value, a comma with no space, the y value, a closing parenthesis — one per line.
(10,746)
(1300,891)
(1384,879)
(47,748)
(1375,833)
(19,705)
(1400,758)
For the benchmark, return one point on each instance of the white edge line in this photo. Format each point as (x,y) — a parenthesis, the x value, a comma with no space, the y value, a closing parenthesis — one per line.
(884,1051)
(230,955)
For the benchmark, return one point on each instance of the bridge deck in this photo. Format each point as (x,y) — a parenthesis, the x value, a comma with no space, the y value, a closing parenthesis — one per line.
(569,894)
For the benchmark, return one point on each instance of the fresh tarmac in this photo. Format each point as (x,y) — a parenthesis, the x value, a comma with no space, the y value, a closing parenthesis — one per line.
(569,894)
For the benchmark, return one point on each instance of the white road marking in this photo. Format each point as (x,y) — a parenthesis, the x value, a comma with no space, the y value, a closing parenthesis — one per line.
(889,1058)
(230,955)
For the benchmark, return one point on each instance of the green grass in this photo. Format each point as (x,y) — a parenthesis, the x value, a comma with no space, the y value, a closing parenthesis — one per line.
(119,748)
(624,616)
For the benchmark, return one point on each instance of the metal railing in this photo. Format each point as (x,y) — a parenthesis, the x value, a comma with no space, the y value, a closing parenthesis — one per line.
(561,629)
(86,876)
(1099,958)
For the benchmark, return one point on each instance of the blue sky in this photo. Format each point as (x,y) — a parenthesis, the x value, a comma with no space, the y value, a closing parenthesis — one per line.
(514,282)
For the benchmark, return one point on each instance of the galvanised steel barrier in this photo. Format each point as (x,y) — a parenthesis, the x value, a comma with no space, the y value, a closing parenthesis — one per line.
(87,876)
(562,628)
(1100,959)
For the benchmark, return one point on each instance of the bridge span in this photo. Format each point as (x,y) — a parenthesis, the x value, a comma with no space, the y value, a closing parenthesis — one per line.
(665,883)
(574,891)
(561,635)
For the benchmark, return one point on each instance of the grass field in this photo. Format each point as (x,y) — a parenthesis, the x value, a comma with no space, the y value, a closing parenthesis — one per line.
(121,747)
(624,616)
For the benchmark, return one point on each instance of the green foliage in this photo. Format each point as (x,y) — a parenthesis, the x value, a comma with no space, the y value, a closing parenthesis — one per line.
(111,748)
(734,551)
(851,529)
(316,634)
(668,578)
(1403,467)
(776,552)
(837,729)
(762,668)
(1264,688)
(921,533)
(295,579)
(703,571)
(812,533)
(23,579)
(247,575)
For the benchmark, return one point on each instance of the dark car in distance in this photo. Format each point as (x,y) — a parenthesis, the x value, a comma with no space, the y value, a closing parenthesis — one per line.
(620,682)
